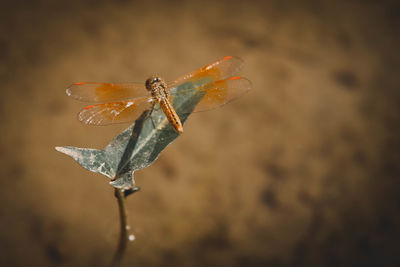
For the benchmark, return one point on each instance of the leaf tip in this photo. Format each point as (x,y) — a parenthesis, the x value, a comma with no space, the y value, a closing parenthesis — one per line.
(62,149)
(59,149)
(73,152)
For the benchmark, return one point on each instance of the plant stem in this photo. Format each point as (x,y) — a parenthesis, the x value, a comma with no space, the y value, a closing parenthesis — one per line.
(123,237)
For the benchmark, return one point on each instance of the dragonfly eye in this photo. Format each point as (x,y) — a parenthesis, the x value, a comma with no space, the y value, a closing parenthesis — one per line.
(152,80)
(149,83)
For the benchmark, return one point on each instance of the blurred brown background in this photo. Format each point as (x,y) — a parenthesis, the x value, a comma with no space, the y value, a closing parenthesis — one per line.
(301,171)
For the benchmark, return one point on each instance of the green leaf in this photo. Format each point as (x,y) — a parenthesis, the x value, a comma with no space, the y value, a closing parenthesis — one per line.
(139,145)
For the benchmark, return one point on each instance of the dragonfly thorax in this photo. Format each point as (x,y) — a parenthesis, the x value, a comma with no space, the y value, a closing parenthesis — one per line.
(158,87)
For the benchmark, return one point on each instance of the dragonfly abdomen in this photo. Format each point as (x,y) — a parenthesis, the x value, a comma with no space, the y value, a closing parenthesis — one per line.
(171,115)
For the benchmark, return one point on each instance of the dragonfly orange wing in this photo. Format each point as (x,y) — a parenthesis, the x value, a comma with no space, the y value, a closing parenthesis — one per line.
(217,93)
(219,70)
(106,92)
(114,112)
(125,102)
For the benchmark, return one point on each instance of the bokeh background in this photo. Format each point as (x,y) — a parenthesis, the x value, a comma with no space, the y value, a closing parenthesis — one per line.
(301,171)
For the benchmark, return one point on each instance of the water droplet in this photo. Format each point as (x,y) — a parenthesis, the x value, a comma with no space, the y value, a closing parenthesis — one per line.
(131,237)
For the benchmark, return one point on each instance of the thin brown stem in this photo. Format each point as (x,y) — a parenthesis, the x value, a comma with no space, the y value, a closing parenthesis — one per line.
(123,237)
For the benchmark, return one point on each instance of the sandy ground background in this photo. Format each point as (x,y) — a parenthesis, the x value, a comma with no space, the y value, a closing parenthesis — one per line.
(302,171)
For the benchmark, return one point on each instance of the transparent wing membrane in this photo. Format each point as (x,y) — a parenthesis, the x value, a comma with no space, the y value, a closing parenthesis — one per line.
(106,92)
(115,112)
(219,70)
(214,84)
(217,93)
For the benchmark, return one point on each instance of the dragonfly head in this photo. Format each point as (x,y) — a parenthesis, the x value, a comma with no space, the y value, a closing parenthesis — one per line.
(154,81)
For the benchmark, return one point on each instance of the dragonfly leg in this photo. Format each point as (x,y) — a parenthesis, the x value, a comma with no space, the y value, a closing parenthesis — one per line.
(151,113)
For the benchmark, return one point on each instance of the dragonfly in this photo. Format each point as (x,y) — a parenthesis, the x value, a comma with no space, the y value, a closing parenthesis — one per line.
(216,83)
